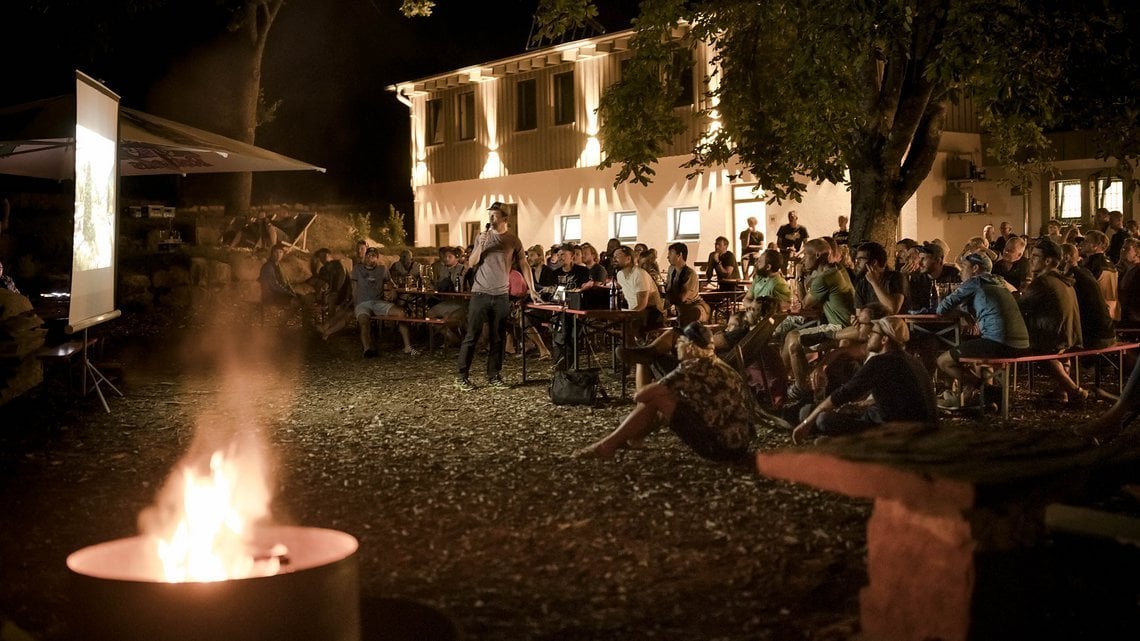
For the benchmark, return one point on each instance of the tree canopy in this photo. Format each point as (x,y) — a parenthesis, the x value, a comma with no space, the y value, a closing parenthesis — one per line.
(856,92)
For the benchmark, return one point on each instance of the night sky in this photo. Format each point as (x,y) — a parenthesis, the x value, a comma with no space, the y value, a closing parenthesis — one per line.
(327,61)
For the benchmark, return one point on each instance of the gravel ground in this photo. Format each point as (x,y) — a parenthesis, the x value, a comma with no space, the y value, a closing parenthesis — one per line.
(467,503)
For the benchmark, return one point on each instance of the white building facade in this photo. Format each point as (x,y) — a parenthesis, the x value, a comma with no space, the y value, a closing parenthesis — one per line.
(524,130)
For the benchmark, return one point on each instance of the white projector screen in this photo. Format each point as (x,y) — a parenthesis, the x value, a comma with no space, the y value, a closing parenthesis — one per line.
(96,204)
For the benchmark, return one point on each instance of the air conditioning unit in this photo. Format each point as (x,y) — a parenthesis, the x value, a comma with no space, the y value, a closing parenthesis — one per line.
(957,201)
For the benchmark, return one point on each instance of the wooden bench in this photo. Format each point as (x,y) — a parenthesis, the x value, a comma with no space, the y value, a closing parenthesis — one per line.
(1004,364)
(65,353)
(431,324)
(958,545)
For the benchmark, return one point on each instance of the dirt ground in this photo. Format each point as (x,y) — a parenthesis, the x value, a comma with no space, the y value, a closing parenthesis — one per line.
(467,503)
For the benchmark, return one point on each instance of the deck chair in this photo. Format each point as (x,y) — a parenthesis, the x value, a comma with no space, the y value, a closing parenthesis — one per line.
(749,347)
(301,226)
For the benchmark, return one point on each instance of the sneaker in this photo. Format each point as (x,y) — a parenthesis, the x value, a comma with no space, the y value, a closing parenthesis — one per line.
(498,383)
(370,353)
(463,384)
(949,401)
(795,394)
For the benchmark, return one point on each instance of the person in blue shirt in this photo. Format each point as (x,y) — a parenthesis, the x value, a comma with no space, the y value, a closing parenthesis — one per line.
(1003,332)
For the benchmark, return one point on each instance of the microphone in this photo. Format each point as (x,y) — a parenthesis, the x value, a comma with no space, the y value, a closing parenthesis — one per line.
(487,227)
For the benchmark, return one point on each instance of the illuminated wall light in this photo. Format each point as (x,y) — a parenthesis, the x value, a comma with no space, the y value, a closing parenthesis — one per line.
(592,154)
(493,168)
(420,176)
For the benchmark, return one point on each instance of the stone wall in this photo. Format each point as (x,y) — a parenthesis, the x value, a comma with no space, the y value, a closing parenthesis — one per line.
(21,336)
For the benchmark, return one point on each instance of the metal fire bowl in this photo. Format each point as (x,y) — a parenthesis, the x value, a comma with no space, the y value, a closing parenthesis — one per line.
(315,598)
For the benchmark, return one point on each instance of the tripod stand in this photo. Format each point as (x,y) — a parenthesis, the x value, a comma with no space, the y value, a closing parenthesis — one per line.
(97,377)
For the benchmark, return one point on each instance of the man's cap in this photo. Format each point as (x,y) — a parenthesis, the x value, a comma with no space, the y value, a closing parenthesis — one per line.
(497,206)
(372,250)
(894,328)
(698,334)
(934,249)
(979,259)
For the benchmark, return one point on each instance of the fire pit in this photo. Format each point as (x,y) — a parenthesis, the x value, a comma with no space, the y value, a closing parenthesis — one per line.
(118,593)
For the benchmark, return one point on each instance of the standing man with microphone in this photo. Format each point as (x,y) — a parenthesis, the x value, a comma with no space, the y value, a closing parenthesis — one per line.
(496,251)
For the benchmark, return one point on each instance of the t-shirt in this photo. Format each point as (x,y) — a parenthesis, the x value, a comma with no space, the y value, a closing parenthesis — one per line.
(900,384)
(922,292)
(577,276)
(751,241)
(598,273)
(727,262)
(493,274)
(771,286)
(840,236)
(369,282)
(1049,305)
(791,237)
(400,271)
(1015,273)
(635,281)
(893,282)
(832,289)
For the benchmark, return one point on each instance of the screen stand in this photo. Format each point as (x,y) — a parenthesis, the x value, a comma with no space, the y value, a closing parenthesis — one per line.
(97,377)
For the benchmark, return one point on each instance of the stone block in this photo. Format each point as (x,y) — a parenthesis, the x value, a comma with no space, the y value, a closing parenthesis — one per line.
(244,267)
(220,273)
(12,304)
(171,278)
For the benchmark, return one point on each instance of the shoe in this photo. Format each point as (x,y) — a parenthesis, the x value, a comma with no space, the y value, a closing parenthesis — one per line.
(1056,396)
(498,383)
(949,401)
(412,352)
(370,353)
(463,384)
(1079,397)
(637,355)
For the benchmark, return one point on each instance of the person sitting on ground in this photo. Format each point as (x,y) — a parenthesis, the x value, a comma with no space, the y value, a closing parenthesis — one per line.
(1013,266)
(6,281)
(639,291)
(1049,306)
(704,400)
(405,272)
(897,380)
(1098,330)
(371,278)
(336,301)
(824,289)
(682,287)
(768,280)
(1002,330)
(721,267)
(275,289)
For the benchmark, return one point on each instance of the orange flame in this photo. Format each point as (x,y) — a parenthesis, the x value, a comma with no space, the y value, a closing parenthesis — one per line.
(204,529)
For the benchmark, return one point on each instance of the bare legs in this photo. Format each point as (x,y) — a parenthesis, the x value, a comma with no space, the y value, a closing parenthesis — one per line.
(653,400)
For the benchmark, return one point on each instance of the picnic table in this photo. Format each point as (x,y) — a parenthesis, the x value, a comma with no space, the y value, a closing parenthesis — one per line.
(612,324)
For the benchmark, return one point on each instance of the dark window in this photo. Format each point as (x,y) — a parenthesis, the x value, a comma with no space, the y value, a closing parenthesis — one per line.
(683,77)
(465,115)
(434,133)
(564,98)
(526,97)
(442,235)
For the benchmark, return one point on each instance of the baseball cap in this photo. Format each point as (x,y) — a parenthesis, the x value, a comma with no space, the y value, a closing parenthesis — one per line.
(497,206)
(895,328)
(934,249)
(979,259)
(372,251)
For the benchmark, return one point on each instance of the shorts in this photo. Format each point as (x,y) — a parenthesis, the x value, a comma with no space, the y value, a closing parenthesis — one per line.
(375,308)
(985,348)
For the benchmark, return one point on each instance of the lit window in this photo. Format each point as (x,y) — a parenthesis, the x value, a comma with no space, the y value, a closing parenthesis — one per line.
(434,133)
(625,226)
(526,97)
(1110,194)
(571,229)
(686,223)
(564,98)
(1066,198)
(465,115)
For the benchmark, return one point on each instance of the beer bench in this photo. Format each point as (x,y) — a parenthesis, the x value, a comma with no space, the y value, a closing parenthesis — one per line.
(431,324)
(1004,364)
(963,536)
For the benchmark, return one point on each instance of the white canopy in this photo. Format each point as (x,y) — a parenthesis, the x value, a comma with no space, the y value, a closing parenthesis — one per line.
(37,139)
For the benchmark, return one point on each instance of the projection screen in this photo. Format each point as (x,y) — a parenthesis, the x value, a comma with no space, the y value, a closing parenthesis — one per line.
(96,204)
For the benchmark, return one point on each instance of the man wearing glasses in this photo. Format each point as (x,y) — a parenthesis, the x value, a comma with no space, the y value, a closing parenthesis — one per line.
(1049,305)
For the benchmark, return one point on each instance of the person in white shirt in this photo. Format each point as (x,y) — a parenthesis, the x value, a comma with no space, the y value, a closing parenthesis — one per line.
(639,290)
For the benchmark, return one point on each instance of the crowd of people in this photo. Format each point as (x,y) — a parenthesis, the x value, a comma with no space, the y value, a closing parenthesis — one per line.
(841,355)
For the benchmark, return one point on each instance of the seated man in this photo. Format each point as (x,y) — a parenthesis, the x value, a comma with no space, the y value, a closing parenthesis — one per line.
(825,289)
(897,381)
(721,266)
(1003,332)
(1014,264)
(568,275)
(336,301)
(768,280)
(682,287)
(405,272)
(1102,269)
(1098,330)
(704,400)
(874,284)
(371,278)
(275,289)
(1049,306)
(924,291)
(639,291)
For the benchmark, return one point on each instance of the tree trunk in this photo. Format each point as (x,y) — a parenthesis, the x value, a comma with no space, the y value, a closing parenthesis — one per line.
(874,208)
